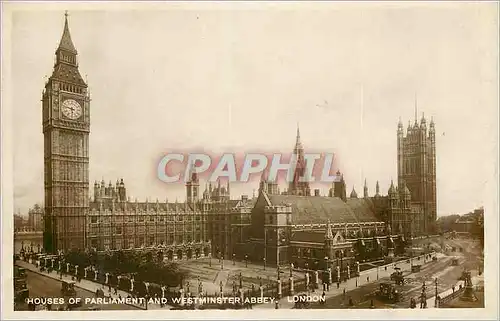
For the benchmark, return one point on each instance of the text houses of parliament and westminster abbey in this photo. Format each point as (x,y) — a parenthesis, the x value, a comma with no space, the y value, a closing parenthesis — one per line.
(297,226)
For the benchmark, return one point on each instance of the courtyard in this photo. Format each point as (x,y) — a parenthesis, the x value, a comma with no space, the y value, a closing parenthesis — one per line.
(212,272)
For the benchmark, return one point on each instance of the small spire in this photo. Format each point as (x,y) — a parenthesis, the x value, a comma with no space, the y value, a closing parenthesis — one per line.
(66,43)
(329,233)
(416,109)
(298,143)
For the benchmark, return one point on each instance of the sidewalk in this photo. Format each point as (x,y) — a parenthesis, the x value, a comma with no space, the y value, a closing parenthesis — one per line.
(86,285)
(431,303)
(351,283)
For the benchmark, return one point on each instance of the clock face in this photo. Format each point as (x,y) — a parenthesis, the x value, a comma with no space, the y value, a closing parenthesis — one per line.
(71,109)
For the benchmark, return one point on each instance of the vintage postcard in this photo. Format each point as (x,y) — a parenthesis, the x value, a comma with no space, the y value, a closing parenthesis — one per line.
(249,160)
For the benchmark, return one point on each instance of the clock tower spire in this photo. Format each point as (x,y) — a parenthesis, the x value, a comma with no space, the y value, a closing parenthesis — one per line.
(66,129)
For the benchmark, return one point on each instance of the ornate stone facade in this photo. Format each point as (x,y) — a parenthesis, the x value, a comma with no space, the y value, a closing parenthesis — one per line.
(66,128)
(115,222)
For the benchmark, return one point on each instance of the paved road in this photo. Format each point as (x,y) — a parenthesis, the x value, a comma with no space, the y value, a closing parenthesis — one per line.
(41,286)
(447,277)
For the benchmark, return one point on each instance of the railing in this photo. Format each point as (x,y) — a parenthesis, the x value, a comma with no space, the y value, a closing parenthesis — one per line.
(452,296)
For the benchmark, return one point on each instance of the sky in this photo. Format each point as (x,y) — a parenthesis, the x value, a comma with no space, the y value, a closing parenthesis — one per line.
(240,77)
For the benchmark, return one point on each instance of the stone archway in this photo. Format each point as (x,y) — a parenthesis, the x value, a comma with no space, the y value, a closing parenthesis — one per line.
(179,254)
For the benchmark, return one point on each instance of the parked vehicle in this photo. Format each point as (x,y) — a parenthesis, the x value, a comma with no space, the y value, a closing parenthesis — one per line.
(388,292)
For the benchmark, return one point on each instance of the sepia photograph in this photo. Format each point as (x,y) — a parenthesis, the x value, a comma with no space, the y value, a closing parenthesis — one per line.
(250,160)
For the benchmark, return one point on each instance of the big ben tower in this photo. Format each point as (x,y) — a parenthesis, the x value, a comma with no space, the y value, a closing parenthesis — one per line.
(66,128)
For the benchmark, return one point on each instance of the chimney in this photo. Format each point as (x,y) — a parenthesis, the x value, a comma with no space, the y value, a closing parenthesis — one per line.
(316,192)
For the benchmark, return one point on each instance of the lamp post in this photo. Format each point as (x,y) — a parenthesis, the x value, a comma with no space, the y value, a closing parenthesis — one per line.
(326,275)
(278,271)
(222,262)
(341,261)
(234,262)
(264,263)
(210,260)
(291,269)
(436,302)
(377,271)
(246,260)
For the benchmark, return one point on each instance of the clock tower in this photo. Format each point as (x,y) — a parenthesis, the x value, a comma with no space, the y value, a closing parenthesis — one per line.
(66,128)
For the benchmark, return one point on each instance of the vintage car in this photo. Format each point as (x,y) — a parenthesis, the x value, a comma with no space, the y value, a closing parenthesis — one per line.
(397,276)
(388,292)
(68,288)
(415,268)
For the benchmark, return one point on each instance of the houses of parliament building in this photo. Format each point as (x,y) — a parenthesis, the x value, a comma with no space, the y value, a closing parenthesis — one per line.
(295,226)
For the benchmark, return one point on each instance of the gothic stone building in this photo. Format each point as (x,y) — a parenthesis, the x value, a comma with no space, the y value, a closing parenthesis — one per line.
(177,230)
(417,168)
(296,227)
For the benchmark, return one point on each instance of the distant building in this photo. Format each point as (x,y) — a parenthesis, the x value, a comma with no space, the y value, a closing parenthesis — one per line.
(35,218)
(20,222)
(471,222)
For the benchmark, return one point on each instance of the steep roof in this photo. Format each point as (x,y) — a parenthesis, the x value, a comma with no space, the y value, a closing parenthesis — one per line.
(68,73)
(308,236)
(66,43)
(309,209)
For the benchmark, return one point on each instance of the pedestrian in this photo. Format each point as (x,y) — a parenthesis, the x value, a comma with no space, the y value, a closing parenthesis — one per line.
(453,289)
(276,306)
(323,298)
(328,286)
(344,293)
(367,279)
(351,303)
(338,285)
(385,267)
(109,288)
(372,306)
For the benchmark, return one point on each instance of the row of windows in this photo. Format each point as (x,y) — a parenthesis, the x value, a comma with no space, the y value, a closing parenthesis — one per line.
(132,219)
(72,88)
(150,241)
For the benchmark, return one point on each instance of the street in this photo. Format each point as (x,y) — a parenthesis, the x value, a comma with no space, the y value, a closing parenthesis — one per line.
(446,274)
(40,286)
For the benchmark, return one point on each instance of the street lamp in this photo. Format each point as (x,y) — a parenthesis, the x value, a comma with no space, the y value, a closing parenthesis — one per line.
(210,260)
(291,269)
(246,260)
(222,263)
(234,263)
(278,271)
(436,302)
(264,263)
